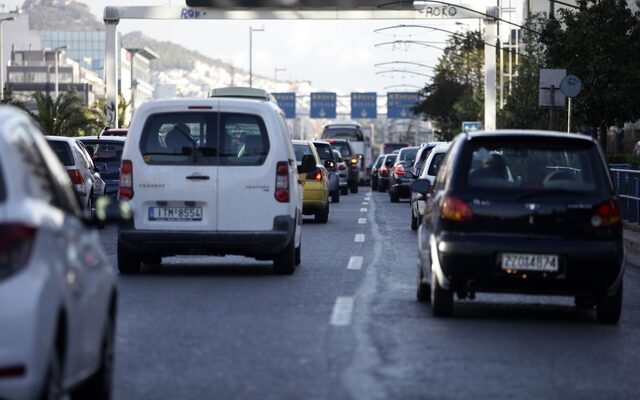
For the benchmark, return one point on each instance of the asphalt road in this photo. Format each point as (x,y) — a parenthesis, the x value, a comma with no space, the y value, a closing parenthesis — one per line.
(227,328)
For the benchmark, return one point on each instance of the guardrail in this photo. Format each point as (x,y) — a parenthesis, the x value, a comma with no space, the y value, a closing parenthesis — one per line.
(627,182)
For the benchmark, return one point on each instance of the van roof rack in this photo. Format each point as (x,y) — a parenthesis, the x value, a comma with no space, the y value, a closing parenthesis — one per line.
(243,93)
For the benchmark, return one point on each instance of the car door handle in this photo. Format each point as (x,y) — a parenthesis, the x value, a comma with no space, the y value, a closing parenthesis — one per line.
(198,177)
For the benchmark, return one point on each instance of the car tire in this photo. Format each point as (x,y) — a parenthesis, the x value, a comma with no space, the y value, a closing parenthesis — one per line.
(299,254)
(152,260)
(422,291)
(53,387)
(441,299)
(128,262)
(414,221)
(353,187)
(344,190)
(99,386)
(284,263)
(322,216)
(374,185)
(609,308)
(335,196)
(381,188)
(393,196)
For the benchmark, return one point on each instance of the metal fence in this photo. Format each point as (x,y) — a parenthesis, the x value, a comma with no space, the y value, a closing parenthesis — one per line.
(627,182)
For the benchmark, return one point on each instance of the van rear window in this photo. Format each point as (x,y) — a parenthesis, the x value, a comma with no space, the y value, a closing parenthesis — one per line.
(352,134)
(205,138)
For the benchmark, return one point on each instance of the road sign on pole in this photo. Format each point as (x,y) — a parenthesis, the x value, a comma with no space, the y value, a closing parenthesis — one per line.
(364,105)
(287,102)
(400,104)
(323,105)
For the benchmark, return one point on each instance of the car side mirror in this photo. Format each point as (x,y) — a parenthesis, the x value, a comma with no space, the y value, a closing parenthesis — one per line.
(308,164)
(421,187)
(329,164)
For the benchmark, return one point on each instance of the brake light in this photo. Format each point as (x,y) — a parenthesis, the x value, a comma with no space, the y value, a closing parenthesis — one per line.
(399,169)
(455,209)
(16,241)
(76,177)
(341,167)
(606,214)
(125,191)
(315,175)
(282,182)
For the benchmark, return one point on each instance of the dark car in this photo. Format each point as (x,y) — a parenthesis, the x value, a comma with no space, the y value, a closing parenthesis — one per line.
(522,212)
(390,147)
(375,171)
(385,171)
(399,183)
(352,160)
(106,152)
(325,151)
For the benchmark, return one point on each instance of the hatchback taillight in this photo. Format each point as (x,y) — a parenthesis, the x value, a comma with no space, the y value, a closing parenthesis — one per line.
(606,214)
(16,242)
(315,175)
(455,209)
(76,177)
(282,182)
(399,169)
(125,191)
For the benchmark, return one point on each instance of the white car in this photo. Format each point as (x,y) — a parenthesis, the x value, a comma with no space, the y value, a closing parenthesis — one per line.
(84,175)
(57,288)
(429,172)
(211,176)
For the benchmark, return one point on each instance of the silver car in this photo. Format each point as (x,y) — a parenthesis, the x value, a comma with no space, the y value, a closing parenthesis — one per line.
(325,151)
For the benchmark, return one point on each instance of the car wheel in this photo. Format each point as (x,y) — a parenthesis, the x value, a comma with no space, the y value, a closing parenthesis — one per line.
(609,308)
(284,263)
(152,260)
(353,187)
(414,220)
(422,292)
(335,197)
(374,185)
(53,387)
(128,262)
(322,216)
(393,196)
(441,299)
(99,385)
(380,188)
(344,190)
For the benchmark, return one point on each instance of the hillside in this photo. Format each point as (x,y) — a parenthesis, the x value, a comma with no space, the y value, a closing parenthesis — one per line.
(44,16)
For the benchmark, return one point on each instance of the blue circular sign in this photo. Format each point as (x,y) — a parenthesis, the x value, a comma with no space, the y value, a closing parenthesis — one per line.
(571,85)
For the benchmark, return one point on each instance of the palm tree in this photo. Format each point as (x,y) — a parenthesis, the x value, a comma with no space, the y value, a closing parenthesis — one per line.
(64,116)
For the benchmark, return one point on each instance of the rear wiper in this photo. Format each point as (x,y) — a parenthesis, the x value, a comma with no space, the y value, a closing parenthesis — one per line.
(542,193)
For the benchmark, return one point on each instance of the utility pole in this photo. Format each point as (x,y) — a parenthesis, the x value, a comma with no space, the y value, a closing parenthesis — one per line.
(251,30)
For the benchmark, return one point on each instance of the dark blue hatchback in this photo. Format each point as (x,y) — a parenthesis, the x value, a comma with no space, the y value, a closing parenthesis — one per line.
(106,152)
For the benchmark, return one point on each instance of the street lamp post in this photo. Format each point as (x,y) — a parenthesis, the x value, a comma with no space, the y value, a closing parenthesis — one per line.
(56,52)
(11,18)
(251,30)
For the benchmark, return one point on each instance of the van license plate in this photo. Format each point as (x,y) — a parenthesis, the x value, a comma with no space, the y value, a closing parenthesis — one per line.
(530,262)
(175,213)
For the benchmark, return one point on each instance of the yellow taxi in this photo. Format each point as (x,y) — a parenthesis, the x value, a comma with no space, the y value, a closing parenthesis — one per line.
(315,184)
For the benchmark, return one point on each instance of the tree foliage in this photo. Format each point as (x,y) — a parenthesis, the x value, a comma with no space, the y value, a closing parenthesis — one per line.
(64,116)
(455,94)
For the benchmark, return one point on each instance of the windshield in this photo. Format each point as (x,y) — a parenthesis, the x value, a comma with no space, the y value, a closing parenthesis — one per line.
(408,154)
(343,148)
(324,151)
(301,150)
(63,151)
(104,150)
(352,134)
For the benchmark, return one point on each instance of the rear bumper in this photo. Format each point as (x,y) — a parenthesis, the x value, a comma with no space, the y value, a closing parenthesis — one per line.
(402,187)
(170,243)
(585,267)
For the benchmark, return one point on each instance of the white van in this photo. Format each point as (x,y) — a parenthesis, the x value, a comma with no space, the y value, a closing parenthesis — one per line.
(360,142)
(212,176)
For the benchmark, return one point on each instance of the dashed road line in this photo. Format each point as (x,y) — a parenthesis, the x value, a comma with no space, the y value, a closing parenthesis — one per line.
(359,238)
(363,210)
(365,203)
(342,311)
(355,262)
(362,221)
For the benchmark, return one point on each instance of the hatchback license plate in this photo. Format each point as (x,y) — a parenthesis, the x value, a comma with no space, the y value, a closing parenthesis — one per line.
(175,213)
(530,262)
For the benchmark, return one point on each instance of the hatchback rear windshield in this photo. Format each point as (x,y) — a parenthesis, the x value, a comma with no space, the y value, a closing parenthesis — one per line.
(391,158)
(565,165)
(343,148)
(104,150)
(408,154)
(301,150)
(63,151)
(205,138)
(435,164)
(324,151)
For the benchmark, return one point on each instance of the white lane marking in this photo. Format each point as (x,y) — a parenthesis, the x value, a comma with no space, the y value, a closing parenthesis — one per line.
(365,203)
(355,262)
(363,210)
(362,221)
(342,310)
(359,238)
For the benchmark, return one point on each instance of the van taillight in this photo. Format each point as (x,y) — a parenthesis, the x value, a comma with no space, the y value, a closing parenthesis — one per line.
(455,209)
(16,241)
(76,177)
(607,214)
(125,191)
(282,182)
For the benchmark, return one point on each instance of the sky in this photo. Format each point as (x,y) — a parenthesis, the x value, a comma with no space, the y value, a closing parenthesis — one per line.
(334,55)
